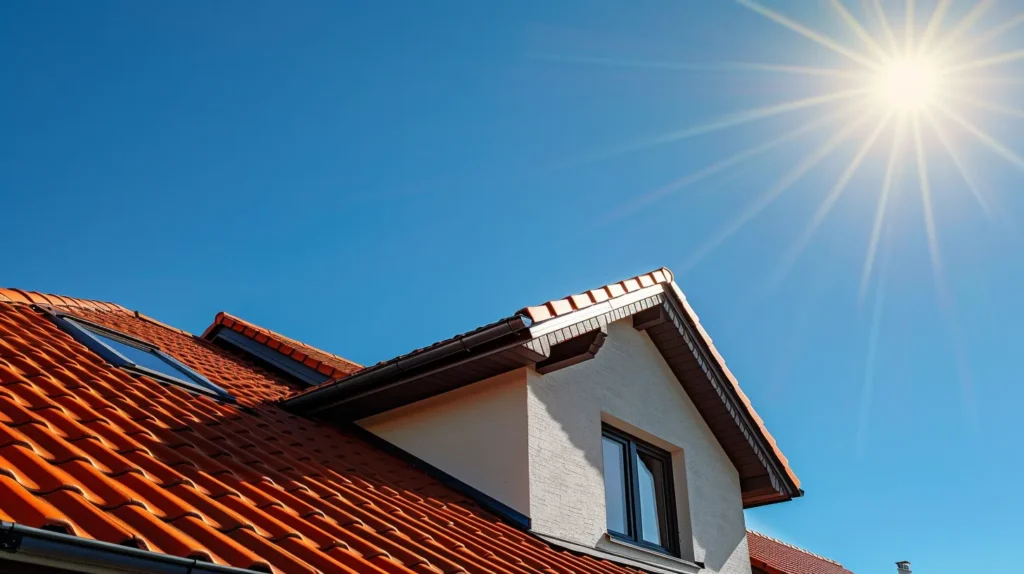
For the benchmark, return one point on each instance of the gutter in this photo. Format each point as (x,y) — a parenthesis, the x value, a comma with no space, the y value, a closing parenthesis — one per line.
(40,547)
(391,372)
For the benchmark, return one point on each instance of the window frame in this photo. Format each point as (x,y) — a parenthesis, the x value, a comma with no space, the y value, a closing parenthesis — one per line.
(86,332)
(634,513)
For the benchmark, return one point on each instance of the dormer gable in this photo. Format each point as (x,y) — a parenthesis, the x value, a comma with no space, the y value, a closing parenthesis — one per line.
(540,410)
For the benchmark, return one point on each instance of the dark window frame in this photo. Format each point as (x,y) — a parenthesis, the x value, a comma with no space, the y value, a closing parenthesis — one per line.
(634,519)
(85,332)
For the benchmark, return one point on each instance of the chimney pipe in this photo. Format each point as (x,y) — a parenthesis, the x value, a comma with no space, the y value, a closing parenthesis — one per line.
(903,567)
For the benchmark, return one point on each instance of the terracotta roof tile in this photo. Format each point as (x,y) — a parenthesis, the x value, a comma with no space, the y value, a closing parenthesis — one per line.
(778,557)
(33,297)
(661,276)
(329,364)
(104,454)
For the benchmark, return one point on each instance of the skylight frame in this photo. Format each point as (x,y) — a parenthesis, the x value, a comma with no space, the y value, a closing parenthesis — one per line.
(86,332)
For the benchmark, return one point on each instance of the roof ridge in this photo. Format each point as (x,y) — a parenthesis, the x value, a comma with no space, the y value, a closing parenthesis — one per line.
(794,547)
(575,302)
(219,319)
(20,296)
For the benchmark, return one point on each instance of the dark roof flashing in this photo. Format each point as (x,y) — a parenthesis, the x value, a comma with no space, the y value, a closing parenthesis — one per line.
(44,547)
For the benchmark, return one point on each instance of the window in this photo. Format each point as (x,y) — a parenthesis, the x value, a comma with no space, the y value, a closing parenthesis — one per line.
(129,353)
(639,502)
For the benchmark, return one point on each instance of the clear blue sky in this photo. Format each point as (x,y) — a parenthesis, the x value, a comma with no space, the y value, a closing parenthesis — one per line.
(371,177)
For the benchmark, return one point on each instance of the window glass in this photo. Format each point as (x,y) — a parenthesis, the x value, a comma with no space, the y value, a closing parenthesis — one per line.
(143,358)
(638,492)
(615,485)
(651,485)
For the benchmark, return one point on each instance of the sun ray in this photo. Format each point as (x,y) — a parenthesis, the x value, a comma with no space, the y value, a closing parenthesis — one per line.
(975,191)
(886,28)
(720,165)
(989,81)
(773,193)
(946,302)
(994,33)
(861,32)
(926,202)
(988,140)
(908,27)
(706,66)
(722,123)
(1004,110)
(1003,58)
(880,210)
(869,361)
(963,25)
(808,33)
(830,200)
(933,26)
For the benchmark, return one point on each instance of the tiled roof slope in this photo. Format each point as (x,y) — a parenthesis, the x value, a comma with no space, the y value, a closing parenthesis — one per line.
(777,557)
(100,453)
(566,305)
(329,364)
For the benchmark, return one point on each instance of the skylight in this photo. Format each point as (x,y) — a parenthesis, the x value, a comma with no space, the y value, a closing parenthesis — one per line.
(132,354)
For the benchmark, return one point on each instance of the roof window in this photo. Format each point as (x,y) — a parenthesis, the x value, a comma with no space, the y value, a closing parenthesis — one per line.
(132,354)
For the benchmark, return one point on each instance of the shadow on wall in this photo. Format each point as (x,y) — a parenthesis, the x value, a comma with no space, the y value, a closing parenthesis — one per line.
(568,406)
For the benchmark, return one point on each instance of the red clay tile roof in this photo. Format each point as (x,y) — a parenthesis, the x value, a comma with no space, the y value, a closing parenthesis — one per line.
(109,455)
(566,305)
(331,365)
(777,557)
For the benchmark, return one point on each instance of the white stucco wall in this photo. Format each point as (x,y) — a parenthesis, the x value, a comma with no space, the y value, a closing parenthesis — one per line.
(629,386)
(534,443)
(477,434)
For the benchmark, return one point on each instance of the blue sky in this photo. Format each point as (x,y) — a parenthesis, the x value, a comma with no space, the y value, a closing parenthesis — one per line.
(371,178)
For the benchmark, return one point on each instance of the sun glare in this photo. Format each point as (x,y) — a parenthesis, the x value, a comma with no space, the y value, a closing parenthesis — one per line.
(911,87)
(908,85)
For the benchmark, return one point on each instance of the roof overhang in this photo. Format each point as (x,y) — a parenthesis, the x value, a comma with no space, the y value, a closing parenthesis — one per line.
(565,339)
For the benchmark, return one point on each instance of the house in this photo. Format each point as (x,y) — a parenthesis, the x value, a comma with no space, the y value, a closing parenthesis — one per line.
(598,433)
(771,556)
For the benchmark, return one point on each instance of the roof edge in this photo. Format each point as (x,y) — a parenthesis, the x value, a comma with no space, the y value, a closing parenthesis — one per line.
(20,296)
(794,547)
(285,346)
(25,544)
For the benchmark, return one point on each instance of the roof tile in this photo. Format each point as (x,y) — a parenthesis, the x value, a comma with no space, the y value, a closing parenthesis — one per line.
(778,557)
(116,457)
(333,366)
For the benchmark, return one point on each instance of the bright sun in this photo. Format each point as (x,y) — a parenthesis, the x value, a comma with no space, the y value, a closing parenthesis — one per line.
(908,85)
(907,91)
(911,87)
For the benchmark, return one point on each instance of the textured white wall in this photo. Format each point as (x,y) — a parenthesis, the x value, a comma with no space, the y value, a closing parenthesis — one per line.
(630,386)
(534,442)
(477,434)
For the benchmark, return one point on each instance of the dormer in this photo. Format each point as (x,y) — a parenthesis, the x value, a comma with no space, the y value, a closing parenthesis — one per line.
(605,422)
